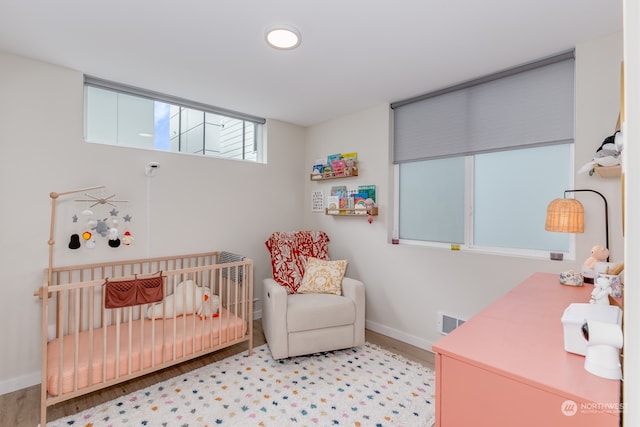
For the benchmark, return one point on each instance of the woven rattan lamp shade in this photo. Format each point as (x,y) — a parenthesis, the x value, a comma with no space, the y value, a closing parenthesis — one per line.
(565,216)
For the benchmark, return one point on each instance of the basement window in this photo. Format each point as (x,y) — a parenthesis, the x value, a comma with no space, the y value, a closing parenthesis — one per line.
(127,116)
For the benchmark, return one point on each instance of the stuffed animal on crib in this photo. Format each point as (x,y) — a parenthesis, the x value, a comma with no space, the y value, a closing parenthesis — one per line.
(204,305)
(598,254)
(601,291)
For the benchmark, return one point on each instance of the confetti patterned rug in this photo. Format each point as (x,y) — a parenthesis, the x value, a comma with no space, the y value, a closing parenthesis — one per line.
(362,387)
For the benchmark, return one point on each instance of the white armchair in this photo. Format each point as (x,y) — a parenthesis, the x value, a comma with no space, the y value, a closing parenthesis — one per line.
(295,324)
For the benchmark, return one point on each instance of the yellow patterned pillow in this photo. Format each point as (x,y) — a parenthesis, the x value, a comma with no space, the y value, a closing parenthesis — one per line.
(322,276)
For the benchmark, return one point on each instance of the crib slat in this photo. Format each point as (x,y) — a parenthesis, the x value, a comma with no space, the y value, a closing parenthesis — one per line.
(142,331)
(44,325)
(129,341)
(107,322)
(76,340)
(118,318)
(91,328)
(60,333)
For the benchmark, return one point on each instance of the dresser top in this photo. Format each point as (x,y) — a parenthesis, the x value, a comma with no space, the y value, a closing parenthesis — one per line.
(521,336)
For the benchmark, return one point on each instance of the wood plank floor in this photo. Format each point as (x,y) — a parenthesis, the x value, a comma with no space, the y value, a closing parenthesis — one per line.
(22,408)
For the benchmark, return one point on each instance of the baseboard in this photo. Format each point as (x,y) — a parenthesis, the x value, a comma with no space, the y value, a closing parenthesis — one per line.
(399,335)
(15,384)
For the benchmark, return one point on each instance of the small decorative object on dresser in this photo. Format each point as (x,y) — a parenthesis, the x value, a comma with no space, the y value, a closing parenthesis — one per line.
(571,278)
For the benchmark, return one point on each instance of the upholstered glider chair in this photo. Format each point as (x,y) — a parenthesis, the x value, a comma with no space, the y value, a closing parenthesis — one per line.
(309,306)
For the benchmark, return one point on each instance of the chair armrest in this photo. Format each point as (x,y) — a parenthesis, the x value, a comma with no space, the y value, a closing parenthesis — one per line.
(274,318)
(354,290)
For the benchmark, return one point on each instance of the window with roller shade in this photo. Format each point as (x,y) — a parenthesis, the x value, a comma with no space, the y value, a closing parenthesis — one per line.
(477,163)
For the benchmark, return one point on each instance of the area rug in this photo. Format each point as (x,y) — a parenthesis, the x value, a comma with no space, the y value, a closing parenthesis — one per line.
(364,386)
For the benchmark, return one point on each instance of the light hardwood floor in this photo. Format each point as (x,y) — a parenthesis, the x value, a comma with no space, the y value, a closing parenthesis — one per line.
(22,408)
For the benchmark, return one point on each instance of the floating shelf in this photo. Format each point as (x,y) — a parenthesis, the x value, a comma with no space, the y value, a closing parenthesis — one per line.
(608,171)
(329,175)
(352,212)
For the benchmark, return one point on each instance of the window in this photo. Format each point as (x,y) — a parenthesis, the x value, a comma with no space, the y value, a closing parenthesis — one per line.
(132,117)
(505,195)
(477,164)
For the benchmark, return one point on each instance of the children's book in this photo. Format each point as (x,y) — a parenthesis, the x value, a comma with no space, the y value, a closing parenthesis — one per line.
(338,167)
(332,157)
(359,200)
(369,190)
(353,156)
(339,190)
(333,204)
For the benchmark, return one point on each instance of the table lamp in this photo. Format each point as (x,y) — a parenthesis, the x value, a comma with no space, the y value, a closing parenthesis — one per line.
(567,215)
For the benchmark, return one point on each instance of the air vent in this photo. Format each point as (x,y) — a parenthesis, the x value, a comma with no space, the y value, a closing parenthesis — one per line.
(447,323)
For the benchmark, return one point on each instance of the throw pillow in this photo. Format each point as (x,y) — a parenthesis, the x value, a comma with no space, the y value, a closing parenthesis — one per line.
(323,276)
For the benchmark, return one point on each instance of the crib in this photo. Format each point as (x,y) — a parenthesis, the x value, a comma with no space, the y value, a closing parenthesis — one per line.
(106,323)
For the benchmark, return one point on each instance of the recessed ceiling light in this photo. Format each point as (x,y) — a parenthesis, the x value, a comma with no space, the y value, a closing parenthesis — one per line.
(283,37)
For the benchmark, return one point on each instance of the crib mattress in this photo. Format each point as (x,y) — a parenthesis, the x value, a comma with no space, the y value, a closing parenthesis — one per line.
(153,350)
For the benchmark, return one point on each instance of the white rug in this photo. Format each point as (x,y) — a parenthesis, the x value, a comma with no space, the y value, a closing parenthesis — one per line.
(361,387)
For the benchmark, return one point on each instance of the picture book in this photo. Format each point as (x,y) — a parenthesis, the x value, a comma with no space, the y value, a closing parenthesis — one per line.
(333,204)
(369,190)
(339,190)
(338,167)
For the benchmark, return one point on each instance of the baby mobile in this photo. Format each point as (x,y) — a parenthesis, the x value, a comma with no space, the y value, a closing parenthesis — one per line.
(106,225)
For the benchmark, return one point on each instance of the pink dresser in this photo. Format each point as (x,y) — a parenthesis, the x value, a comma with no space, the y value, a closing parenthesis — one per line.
(507,366)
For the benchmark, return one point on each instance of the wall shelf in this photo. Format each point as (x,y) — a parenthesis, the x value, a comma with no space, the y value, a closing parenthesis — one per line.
(352,212)
(608,171)
(329,175)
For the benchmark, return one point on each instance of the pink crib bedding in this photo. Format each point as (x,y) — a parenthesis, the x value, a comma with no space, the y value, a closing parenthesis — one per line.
(145,348)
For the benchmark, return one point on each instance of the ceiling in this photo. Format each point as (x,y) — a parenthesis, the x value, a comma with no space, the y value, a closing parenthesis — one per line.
(354,53)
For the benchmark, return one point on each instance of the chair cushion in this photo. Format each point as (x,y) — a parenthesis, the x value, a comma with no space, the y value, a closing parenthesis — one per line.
(316,311)
(288,252)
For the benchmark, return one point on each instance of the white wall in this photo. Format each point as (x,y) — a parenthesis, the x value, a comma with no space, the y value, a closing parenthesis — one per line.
(407,285)
(193,204)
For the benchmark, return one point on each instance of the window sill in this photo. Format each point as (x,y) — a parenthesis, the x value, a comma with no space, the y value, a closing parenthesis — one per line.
(514,253)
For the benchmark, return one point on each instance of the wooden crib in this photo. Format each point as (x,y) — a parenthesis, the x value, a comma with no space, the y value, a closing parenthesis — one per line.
(181,307)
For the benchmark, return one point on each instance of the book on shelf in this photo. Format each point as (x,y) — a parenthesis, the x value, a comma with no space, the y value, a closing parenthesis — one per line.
(344,203)
(332,157)
(339,190)
(369,190)
(333,204)
(337,166)
(359,200)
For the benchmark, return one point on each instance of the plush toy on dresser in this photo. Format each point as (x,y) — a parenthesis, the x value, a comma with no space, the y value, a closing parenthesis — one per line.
(598,254)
